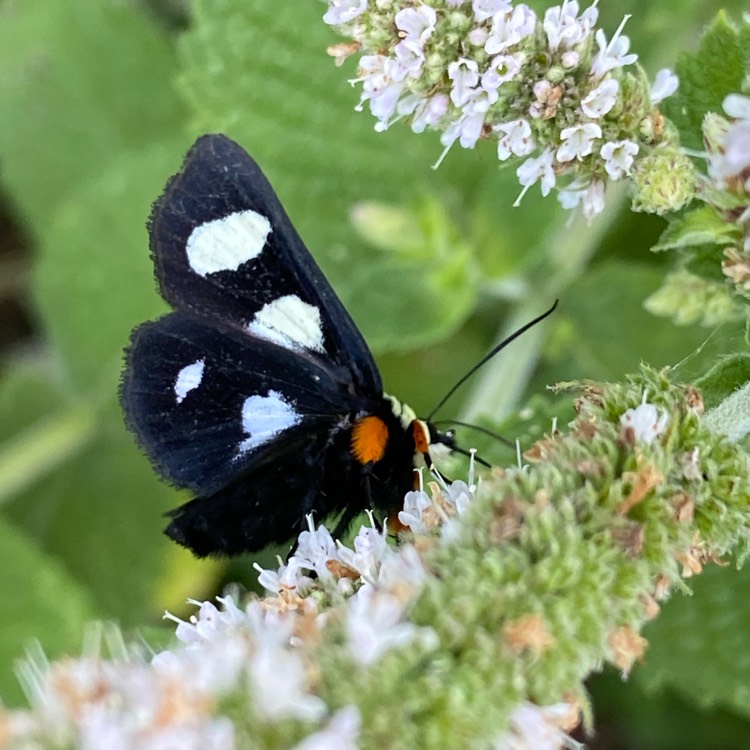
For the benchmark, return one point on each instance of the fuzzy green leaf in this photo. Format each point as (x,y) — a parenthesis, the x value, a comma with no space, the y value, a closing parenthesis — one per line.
(82,81)
(100,511)
(706,77)
(702,226)
(604,330)
(73,480)
(725,377)
(94,251)
(405,306)
(699,643)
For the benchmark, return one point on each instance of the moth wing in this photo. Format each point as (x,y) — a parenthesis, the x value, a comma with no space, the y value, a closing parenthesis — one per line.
(224,248)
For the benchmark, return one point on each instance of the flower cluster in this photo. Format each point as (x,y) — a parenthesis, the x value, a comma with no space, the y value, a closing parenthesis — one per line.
(379,582)
(552,90)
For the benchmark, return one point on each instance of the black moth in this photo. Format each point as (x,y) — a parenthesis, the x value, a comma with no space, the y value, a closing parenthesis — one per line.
(257,392)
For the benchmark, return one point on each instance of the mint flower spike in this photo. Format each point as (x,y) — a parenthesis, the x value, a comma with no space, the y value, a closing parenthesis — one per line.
(469,631)
(553,90)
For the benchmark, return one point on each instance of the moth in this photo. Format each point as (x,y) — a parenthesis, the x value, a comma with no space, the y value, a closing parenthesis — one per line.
(257,392)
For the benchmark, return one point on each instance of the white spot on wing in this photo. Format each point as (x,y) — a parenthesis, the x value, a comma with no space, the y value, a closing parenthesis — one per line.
(188,378)
(264,417)
(225,244)
(290,322)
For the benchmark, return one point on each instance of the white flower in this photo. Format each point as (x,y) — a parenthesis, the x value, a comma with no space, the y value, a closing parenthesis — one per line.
(402,572)
(618,157)
(288,577)
(416,503)
(417,23)
(315,547)
(570,59)
(578,141)
(502,68)
(279,681)
(370,548)
(465,76)
(737,106)
(736,158)
(374,625)
(509,28)
(477,36)
(469,127)
(467,130)
(564,28)
(516,141)
(646,421)
(460,494)
(485,9)
(341,732)
(589,196)
(210,623)
(536,169)
(737,150)
(612,55)
(343,11)
(409,60)
(664,85)
(429,112)
(533,727)
(599,101)
(379,88)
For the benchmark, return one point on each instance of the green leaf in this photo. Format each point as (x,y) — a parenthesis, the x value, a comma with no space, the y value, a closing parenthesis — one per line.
(726,392)
(82,81)
(405,306)
(39,600)
(606,330)
(73,479)
(101,512)
(706,77)
(44,445)
(94,276)
(704,635)
(702,226)
(659,720)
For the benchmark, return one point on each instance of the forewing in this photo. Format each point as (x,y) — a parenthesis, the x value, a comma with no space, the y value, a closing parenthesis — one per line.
(208,409)
(224,247)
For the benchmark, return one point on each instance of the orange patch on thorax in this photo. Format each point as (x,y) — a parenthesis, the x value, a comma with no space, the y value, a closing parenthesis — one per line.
(421,436)
(369,439)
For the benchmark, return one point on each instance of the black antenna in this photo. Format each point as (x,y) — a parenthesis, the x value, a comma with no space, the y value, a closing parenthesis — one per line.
(478,428)
(513,336)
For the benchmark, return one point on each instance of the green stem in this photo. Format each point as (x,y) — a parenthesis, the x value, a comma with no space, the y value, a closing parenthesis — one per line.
(502,383)
(44,446)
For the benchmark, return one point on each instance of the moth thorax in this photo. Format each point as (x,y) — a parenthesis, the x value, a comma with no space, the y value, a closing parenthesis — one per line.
(403,412)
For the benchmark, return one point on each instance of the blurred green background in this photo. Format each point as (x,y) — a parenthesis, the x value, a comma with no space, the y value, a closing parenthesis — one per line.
(99,100)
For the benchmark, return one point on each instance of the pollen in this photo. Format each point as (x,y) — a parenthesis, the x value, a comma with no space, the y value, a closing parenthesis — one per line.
(369,438)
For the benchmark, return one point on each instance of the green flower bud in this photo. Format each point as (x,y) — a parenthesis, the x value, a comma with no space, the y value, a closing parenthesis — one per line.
(715,129)
(689,299)
(664,181)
